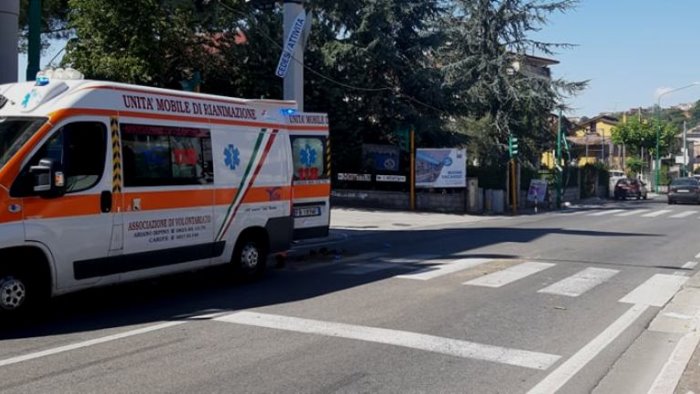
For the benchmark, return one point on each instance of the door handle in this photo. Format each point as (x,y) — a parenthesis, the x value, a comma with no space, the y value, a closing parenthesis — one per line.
(106,201)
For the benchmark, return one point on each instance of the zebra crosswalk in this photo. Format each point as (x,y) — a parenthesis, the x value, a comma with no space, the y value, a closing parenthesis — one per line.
(646,213)
(489,273)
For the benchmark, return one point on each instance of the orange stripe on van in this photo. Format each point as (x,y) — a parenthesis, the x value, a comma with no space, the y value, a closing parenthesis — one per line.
(6,213)
(255,195)
(310,191)
(169,199)
(47,208)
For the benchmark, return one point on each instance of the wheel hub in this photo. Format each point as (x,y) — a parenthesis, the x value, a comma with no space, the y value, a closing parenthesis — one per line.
(12,293)
(250,256)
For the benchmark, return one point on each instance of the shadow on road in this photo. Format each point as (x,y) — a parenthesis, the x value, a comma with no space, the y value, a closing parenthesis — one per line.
(188,295)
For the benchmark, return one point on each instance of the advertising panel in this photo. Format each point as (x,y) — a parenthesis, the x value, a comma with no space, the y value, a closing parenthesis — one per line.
(441,168)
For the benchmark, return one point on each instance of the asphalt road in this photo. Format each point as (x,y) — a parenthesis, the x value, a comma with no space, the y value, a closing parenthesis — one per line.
(540,303)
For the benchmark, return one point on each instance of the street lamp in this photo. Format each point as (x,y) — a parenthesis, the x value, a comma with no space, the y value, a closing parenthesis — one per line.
(658,129)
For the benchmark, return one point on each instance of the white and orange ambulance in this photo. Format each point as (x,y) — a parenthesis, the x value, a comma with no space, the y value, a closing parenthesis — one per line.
(102,183)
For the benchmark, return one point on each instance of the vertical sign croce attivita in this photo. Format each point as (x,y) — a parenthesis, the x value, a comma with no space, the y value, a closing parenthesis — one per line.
(231,159)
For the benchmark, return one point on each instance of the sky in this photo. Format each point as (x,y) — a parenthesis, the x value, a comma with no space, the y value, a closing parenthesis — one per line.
(630,50)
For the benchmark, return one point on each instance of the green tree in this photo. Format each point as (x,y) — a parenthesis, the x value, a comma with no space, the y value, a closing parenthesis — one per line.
(153,42)
(381,52)
(487,42)
(636,134)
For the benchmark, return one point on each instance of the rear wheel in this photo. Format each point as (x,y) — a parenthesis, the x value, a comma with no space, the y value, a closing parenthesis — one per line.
(250,257)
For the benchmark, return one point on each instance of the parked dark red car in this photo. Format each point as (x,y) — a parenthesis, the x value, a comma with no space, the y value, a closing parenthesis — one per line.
(630,188)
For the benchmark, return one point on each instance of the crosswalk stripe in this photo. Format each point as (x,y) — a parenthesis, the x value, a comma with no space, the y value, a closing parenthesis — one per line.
(360,269)
(656,291)
(690,265)
(684,214)
(414,259)
(607,212)
(657,213)
(509,275)
(441,269)
(633,212)
(406,339)
(581,282)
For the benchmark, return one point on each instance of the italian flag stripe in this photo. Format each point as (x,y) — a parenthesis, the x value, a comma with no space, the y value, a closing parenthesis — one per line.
(242,193)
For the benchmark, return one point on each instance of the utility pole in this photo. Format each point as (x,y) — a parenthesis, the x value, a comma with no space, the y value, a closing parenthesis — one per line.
(685,149)
(557,168)
(34,48)
(294,79)
(9,20)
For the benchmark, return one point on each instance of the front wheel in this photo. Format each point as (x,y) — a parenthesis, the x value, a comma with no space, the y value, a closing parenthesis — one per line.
(250,258)
(19,291)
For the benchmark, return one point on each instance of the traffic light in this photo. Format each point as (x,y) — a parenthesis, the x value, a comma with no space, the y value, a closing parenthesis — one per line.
(512,145)
(403,137)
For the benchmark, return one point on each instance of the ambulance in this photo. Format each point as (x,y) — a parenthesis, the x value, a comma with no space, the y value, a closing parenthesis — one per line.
(103,183)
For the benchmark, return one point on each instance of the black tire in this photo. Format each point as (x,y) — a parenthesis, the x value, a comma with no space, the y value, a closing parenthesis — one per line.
(20,291)
(250,257)
(670,202)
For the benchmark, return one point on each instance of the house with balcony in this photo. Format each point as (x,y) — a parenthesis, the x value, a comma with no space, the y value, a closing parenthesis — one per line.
(591,142)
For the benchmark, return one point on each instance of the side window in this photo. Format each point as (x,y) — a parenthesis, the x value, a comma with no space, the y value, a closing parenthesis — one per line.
(84,150)
(309,155)
(165,155)
(79,149)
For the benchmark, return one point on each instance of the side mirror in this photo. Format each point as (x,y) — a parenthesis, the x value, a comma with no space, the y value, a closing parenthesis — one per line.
(49,180)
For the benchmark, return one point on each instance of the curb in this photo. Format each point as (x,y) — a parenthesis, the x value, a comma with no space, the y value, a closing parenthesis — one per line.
(681,314)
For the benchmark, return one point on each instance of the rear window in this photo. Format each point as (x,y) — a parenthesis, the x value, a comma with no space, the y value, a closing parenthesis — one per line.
(684,182)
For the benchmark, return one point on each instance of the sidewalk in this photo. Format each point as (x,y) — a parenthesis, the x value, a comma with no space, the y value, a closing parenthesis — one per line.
(382,220)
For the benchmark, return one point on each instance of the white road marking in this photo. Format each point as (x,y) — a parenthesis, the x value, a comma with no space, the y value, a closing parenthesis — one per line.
(509,275)
(690,265)
(361,269)
(84,344)
(678,316)
(656,291)
(697,256)
(441,269)
(657,213)
(363,256)
(430,343)
(633,212)
(572,213)
(414,259)
(607,212)
(667,380)
(581,282)
(558,378)
(683,214)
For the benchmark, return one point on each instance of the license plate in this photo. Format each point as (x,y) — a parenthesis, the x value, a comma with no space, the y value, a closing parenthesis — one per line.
(683,191)
(302,212)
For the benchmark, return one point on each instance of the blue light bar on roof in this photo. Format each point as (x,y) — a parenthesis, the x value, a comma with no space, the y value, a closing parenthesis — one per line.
(42,80)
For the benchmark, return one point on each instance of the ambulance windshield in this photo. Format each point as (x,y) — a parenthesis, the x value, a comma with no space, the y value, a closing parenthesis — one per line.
(14,133)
